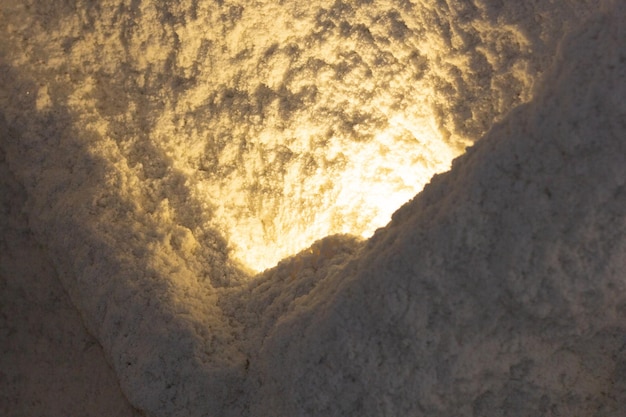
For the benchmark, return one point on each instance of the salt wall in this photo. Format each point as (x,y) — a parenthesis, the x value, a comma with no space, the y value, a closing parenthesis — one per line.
(498,290)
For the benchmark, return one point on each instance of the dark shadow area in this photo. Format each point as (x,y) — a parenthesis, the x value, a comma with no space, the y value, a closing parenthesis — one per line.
(50,364)
(105,249)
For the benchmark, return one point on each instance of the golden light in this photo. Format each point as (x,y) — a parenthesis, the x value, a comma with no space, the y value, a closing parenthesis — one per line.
(283,124)
(286,140)
(356,192)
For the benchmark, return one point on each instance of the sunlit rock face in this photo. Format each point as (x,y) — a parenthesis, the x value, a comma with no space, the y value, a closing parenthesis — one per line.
(280,124)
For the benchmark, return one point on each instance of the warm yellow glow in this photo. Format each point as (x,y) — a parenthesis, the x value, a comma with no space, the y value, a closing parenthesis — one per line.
(285,140)
(279,123)
(281,184)
(374,179)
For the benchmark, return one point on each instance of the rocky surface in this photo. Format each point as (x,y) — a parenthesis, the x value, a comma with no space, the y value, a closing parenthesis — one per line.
(497,290)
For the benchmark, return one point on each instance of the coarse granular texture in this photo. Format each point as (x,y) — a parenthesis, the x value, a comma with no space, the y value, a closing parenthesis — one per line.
(146,144)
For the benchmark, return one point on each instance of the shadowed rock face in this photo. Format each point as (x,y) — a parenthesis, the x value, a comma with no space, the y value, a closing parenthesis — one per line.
(50,363)
(497,290)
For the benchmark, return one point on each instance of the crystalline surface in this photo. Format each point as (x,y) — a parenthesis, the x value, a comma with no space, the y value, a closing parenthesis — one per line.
(167,149)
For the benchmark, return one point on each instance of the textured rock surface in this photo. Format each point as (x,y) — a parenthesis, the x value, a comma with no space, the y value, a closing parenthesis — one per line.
(266,103)
(49,364)
(498,290)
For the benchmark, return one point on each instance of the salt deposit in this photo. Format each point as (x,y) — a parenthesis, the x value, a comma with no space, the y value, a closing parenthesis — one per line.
(165,149)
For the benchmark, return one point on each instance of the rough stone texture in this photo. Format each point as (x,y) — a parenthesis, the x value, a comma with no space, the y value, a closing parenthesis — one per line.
(499,290)
(496,291)
(264,102)
(49,364)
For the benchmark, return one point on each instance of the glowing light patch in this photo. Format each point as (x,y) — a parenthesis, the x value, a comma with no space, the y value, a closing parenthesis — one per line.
(354,196)
(276,126)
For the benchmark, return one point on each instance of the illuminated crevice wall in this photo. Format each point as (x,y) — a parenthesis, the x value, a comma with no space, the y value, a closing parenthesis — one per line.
(151,140)
(279,125)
